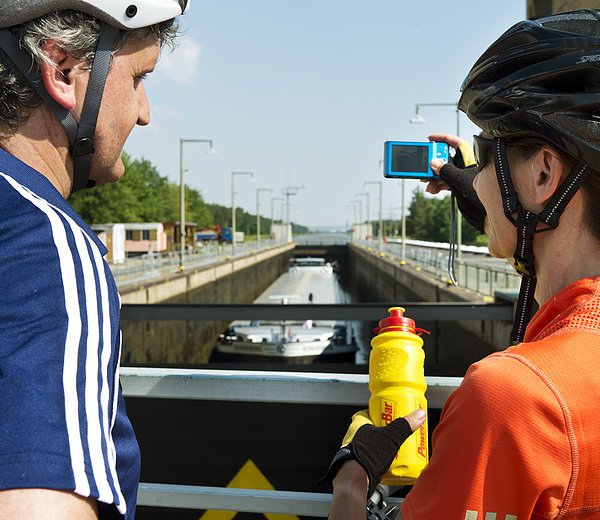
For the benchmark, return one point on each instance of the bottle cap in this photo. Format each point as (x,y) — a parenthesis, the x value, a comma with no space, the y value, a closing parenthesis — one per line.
(397,321)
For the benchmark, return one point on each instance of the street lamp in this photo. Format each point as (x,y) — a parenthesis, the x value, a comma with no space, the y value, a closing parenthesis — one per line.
(355,205)
(267,190)
(233,175)
(418,119)
(380,206)
(273,199)
(290,191)
(366,194)
(182,233)
(360,213)
(352,206)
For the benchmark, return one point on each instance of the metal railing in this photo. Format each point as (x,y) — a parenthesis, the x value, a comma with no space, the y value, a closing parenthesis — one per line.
(254,386)
(483,275)
(419,311)
(154,265)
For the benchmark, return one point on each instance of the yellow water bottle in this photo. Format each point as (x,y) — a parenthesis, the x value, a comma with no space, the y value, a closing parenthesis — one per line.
(397,385)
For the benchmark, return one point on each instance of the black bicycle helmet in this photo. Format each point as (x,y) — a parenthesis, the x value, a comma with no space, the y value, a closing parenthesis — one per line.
(542,78)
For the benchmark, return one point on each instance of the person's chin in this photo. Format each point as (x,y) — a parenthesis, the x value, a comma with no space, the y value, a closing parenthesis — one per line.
(110,176)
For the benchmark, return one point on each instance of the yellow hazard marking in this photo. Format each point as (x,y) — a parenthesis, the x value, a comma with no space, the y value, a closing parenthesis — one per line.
(248,477)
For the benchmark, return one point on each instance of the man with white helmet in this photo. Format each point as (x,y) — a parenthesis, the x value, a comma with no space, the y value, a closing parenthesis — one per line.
(71,91)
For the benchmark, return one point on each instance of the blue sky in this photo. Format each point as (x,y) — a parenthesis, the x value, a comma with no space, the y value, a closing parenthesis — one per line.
(304,93)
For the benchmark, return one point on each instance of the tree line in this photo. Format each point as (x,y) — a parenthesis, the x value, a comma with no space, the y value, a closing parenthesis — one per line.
(143,195)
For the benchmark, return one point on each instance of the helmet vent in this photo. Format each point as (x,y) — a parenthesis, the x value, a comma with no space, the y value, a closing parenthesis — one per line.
(583,27)
(508,44)
(508,67)
(584,22)
(131,11)
(562,82)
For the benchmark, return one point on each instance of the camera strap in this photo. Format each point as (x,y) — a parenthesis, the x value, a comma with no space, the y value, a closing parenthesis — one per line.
(453,242)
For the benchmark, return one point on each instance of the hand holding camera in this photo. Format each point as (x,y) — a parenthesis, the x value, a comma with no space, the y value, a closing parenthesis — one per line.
(457,175)
(431,163)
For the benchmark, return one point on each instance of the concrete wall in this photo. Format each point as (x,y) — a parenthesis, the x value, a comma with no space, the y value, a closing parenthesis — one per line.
(452,346)
(191,342)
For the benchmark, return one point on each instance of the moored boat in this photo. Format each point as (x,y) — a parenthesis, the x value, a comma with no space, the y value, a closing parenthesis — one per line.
(308,280)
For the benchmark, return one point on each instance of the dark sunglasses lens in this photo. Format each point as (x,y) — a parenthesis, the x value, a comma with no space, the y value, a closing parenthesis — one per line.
(482,148)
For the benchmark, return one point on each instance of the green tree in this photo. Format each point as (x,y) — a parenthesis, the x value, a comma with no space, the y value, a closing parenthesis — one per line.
(150,189)
(429,219)
(140,196)
(111,203)
(419,222)
(196,210)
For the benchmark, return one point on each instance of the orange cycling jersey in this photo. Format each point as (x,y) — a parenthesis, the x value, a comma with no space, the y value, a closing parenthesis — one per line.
(520,438)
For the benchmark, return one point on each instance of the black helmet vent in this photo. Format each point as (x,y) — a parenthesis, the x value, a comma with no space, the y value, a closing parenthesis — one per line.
(581,127)
(584,22)
(508,44)
(586,80)
(502,70)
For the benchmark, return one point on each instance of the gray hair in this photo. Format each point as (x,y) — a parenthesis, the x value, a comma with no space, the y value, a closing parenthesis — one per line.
(77,33)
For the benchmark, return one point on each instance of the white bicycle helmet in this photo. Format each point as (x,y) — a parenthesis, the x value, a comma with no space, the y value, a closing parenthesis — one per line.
(118,15)
(123,14)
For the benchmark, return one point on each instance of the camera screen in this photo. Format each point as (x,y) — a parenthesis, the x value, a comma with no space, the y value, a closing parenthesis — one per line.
(407,158)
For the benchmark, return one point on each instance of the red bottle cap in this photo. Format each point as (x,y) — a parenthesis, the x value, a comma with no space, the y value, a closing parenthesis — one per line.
(397,321)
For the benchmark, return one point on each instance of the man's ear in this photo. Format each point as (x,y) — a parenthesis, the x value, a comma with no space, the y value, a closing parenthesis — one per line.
(57,77)
(549,171)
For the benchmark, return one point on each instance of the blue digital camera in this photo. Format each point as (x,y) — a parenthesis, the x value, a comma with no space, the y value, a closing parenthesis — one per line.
(410,160)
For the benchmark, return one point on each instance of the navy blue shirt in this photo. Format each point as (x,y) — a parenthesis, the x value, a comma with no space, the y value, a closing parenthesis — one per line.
(62,416)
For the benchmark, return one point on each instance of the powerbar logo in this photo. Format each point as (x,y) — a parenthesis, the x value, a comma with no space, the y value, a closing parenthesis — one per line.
(387,412)
(590,58)
(422,449)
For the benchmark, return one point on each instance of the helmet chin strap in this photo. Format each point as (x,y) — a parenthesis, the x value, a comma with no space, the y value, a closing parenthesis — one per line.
(80,134)
(526,223)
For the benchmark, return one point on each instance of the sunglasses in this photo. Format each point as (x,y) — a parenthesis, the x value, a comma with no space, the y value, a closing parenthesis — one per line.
(482,148)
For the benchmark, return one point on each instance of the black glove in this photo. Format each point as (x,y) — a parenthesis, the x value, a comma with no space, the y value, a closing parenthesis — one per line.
(459,176)
(373,448)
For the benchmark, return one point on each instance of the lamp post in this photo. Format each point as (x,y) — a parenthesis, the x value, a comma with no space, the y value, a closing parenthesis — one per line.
(182,233)
(233,175)
(360,207)
(418,119)
(380,207)
(273,199)
(290,191)
(366,194)
(352,206)
(356,205)
(267,190)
